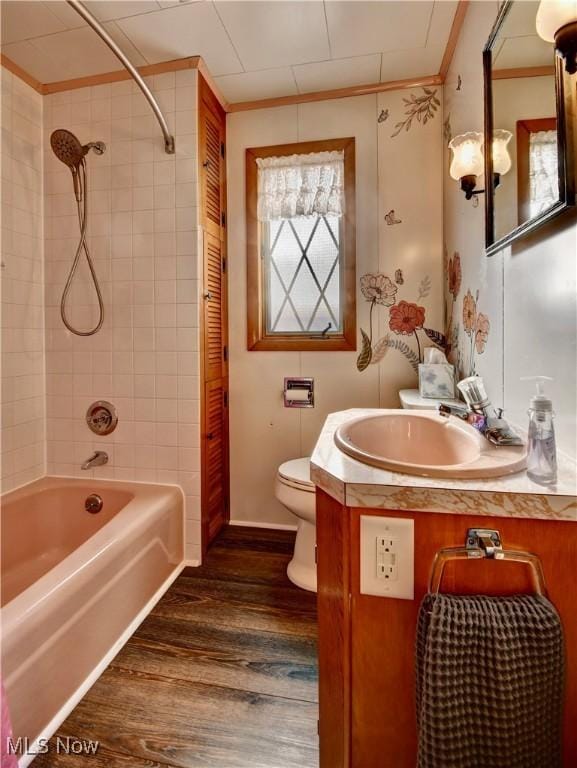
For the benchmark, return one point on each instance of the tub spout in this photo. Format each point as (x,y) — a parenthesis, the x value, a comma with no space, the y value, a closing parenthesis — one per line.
(97,459)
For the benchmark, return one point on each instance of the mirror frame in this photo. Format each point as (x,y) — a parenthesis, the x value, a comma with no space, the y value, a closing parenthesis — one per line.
(565,147)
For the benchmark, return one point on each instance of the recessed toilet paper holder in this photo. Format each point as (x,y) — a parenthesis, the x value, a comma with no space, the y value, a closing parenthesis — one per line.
(299,392)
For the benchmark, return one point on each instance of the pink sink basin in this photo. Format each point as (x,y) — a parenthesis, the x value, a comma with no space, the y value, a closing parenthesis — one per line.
(424,443)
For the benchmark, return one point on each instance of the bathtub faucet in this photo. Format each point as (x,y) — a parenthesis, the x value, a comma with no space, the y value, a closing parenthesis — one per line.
(97,459)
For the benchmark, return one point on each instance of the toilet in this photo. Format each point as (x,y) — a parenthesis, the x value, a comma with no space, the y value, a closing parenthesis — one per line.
(411,399)
(296,492)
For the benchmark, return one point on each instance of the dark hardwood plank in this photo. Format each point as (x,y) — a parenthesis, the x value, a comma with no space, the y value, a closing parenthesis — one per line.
(188,725)
(103,758)
(283,610)
(222,673)
(260,662)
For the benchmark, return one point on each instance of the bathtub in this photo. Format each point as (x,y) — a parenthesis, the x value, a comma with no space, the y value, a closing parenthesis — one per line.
(75,585)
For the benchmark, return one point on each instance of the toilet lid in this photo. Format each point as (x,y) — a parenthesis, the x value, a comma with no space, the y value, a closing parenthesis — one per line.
(297,472)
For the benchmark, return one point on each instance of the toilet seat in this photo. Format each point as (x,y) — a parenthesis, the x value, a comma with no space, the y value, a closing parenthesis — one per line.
(296,473)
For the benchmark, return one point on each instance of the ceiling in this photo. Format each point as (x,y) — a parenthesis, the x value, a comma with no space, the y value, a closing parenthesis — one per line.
(254,50)
(518,44)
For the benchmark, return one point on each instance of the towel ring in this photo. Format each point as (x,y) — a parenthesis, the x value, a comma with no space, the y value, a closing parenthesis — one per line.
(483,544)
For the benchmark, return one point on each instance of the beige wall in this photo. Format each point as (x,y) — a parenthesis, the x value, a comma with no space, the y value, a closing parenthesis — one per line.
(401,173)
(142,228)
(22,364)
(528,291)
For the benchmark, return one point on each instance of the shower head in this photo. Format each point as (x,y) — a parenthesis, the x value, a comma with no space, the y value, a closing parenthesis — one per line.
(67,148)
(71,152)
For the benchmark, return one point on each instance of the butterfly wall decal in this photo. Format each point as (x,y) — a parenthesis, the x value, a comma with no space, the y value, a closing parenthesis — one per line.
(391,219)
(383,116)
(399,279)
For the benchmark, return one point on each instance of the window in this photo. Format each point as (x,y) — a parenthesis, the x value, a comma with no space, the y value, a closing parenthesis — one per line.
(301,246)
(537,167)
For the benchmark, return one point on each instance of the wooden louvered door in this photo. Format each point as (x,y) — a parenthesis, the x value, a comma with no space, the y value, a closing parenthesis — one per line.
(214,332)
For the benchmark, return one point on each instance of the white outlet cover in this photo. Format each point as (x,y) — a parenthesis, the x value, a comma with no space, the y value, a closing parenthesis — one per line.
(403,530)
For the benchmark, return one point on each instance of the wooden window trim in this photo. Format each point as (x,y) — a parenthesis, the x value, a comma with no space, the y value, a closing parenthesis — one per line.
(257,338)
(524,130)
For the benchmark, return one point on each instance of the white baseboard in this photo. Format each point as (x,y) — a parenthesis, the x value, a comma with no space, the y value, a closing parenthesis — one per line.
(191,563)
(83,689)
(274,526)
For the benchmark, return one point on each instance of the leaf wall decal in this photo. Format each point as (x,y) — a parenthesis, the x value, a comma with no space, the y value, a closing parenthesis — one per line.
(366,353)
(436,337)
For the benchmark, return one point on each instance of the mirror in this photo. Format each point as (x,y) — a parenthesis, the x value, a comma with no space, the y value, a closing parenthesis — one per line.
(525,114)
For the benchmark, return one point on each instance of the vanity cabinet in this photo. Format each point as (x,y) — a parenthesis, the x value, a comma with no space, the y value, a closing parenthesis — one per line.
(367,644)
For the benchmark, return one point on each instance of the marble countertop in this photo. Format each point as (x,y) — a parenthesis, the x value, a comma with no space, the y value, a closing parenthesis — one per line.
(358,485)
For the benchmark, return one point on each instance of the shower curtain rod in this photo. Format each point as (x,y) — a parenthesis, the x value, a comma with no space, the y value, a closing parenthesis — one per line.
(103,34)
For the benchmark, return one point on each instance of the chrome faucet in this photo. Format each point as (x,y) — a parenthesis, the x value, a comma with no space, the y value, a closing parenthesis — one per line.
(97,459)
(492,424)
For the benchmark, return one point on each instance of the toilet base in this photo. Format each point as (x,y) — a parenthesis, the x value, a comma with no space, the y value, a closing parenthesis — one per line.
(302,569)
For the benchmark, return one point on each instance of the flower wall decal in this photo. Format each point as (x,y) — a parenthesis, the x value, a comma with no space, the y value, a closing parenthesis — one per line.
(405,319)
(469,313)
(378,288)
(475,324)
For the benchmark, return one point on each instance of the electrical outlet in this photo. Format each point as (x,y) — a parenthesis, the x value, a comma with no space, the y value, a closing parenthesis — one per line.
(387,555)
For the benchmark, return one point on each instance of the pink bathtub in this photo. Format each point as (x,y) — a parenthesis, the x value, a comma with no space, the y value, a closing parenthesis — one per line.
(75,585)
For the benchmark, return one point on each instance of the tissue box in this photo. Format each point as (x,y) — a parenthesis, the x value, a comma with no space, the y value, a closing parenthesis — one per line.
(437,380)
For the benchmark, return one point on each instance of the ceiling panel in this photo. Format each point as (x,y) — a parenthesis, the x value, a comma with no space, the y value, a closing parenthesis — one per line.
(33,61)
(21,21)
(357,28)
(441,22)
(400,65)
(77,52)
(183,30)
(338,73)
(265,84)
(271,34)
(65,13)
(529,51)
(105,10)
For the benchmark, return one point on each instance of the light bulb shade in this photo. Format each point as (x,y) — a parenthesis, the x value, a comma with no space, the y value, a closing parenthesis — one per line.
(467,155)
(552,15)
(501,156)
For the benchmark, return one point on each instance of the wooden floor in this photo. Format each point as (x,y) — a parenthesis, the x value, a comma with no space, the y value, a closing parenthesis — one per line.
(221,674)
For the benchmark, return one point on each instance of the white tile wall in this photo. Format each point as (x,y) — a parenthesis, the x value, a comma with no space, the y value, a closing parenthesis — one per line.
(22,395)
(143,231)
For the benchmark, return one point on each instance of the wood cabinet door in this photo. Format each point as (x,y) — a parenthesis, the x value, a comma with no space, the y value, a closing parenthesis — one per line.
(215,314)
(214,331)
(212,166)
(215,465)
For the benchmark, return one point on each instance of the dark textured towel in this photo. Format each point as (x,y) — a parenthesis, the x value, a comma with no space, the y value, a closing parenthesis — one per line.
(490,674)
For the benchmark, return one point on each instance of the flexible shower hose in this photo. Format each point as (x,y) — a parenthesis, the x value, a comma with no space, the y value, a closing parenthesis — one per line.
(82,208)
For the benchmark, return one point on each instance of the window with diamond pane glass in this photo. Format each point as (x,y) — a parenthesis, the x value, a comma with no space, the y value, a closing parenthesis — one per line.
(303,272)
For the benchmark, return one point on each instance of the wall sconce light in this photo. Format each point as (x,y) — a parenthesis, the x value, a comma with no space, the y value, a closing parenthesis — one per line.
(467,163)
(557,23)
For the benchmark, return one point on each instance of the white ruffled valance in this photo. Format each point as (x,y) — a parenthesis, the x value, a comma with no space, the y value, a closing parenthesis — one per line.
(543,173)
(300,186)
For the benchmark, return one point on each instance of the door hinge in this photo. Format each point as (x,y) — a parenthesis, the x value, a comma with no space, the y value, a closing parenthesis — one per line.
(223,219)
(222,148)
(225,399)
(225,353)
(224,264)
(316,551)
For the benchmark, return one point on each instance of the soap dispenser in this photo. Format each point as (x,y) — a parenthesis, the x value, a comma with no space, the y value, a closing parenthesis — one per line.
(542,452)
